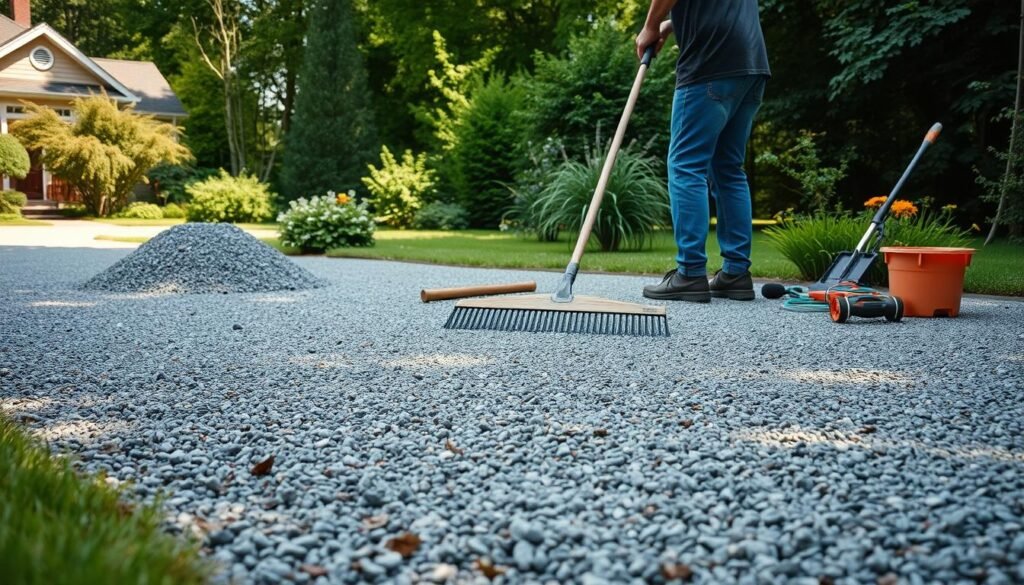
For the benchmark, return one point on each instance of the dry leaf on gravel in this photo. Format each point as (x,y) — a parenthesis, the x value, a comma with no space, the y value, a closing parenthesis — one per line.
(375,522)
(405,544)
(600,432)
(314,570)
(672,571)
(263,467)
(686,423)
(489,569)
(451,447)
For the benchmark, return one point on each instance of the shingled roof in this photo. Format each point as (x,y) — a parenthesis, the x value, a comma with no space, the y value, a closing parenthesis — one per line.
(146,82)
(141,78)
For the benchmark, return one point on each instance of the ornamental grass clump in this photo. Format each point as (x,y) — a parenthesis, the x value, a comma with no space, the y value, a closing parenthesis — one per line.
(635,202)
(812,242)
(324,222)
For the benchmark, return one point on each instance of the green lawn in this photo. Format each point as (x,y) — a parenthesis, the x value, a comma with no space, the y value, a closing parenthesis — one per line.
(133,222)
(995,269)
(59,527)
(10,219)
(496,249)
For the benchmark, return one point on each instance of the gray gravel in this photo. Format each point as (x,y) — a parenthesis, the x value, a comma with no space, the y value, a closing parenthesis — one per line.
(203,258)
(752,446)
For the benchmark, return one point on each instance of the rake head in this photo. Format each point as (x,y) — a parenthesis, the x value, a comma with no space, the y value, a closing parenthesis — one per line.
(538,314)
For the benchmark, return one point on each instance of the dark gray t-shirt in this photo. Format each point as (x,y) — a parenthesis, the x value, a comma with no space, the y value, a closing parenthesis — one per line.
(718,38)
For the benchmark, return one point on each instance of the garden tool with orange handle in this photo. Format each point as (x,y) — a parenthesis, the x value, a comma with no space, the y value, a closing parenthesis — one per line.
(854,266)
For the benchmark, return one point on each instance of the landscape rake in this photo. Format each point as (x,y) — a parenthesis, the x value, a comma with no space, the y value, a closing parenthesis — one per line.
(562,311)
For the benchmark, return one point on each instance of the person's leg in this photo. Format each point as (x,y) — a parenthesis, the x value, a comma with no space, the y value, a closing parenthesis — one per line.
(731,189)
(697,121)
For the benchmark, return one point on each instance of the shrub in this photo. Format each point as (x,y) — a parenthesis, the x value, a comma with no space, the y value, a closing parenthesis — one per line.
(522,214)
(328,221)
(141,210)
(14,160)
(635,202)
(61,527)
(570,94)
(441,216)
(11,202)
(229,199)
(72,210)
(173,211)
(816,182)
(485,155)
(168,182)
(398,188)
(812,242)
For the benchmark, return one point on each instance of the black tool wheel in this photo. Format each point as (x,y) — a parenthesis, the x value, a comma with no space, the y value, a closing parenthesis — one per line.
(895,315)
(839,309)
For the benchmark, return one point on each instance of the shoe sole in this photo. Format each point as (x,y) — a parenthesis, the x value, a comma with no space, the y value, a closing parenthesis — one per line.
(690,297)
(735,295)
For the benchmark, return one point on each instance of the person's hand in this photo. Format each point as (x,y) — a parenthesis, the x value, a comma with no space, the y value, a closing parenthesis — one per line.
(653,36)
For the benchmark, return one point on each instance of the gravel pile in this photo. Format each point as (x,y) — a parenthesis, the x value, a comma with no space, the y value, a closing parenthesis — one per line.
(203,258)
(752,446)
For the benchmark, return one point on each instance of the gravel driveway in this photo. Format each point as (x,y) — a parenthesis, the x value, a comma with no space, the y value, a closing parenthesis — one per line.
(752,446)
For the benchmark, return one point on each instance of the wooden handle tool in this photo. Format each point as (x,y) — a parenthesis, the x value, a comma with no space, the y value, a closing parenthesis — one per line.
(444,294)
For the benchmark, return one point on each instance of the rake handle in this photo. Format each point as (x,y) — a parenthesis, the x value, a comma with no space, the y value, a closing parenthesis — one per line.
(609,161)
(444,294)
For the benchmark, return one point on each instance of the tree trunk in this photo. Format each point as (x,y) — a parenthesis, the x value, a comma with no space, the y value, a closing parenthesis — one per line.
(1014,131)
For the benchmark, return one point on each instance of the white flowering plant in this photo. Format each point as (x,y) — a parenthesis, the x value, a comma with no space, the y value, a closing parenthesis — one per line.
(326,221)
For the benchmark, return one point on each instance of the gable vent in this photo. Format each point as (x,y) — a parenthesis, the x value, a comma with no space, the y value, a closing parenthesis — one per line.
(41,58)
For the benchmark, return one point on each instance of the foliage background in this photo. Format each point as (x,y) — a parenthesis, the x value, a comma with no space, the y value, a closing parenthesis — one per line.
(867,76)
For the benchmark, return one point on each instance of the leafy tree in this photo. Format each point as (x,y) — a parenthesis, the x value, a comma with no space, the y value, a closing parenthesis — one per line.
(328,146)
(104,153)
(14,160)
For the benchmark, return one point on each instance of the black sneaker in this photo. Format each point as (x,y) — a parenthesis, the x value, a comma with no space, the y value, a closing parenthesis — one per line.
(676,287)
(739,287)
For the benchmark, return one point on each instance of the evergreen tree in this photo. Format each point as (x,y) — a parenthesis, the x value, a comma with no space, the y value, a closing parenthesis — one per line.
(333,135)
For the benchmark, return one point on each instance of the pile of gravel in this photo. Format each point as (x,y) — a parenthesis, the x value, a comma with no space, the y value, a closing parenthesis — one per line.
(203,258)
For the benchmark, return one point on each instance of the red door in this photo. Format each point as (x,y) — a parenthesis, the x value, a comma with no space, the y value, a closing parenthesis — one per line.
(32,184)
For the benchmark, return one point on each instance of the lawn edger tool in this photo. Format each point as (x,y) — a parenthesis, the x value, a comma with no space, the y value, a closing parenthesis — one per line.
(562,311)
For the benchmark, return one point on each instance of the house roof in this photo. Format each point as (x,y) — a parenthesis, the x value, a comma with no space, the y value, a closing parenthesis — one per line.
(9,29)
(135,81)
(147,83)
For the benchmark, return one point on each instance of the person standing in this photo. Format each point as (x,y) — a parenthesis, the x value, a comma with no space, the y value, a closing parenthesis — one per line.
(720,80)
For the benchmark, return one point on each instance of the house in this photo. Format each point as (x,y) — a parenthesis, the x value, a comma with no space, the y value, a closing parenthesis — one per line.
(39,65)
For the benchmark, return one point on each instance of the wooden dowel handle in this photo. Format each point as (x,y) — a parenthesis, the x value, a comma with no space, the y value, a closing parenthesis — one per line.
(444,294)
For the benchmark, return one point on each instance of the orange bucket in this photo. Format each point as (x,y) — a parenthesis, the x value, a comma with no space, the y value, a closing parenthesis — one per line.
(930,281)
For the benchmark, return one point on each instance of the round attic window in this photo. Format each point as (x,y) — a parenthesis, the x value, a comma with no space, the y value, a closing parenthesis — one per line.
(41,58)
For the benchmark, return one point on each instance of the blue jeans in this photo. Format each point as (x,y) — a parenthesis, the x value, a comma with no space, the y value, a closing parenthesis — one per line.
(711,124)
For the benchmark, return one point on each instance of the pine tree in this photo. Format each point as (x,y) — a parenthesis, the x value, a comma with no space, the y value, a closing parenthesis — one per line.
(333,136)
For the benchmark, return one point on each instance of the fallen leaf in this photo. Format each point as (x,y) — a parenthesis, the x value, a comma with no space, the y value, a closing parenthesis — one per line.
(314,570)
(375,522)
(676,571)
(686,423)
(600,432)
(263,467)
(404,544)
(451,447)
(489,569)
(868,429)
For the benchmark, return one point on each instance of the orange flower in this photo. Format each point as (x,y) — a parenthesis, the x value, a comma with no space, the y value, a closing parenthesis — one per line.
(875,202)
(343,199)
(903,209)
